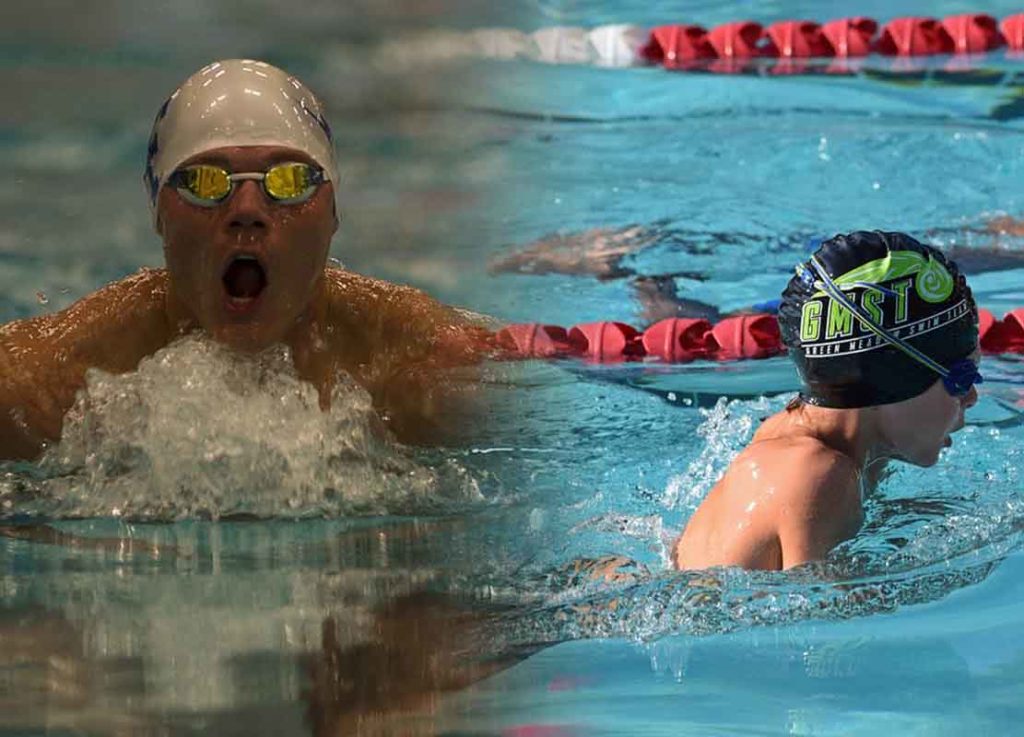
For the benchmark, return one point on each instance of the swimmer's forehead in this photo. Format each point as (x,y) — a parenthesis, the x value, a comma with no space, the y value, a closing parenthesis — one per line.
(236,158)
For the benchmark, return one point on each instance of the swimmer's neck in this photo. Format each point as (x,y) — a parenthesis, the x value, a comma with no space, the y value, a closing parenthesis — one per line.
(302,337)
(856,433)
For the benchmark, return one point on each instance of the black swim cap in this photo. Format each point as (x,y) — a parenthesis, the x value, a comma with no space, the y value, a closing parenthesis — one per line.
(908,289)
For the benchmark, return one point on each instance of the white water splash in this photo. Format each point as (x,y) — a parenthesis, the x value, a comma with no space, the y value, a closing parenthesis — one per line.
(198,430)
(726,429)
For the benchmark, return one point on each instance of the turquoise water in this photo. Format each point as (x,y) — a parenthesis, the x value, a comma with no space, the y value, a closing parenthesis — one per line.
(912,627)
(191,595)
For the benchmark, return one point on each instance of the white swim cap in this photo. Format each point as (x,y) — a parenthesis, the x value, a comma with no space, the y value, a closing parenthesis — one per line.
(237,102)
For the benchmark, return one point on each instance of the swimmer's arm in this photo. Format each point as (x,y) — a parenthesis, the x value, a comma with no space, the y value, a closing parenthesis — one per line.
(431,388)
(18,439)
(408,343)
(821,510)
(596,252)
(437,334)
(43,360)
(1005,225)
(31,401)
(431,380)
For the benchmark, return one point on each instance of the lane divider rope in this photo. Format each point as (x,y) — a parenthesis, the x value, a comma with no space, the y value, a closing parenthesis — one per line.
(727,47)
(681,340)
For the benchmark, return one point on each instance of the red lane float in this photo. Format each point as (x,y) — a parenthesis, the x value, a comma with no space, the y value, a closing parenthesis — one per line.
(797,39)
(1013,31)
(682,46)
(738,40)
(678,340)
(606,341)
(914,37)
(676,46)
(747,336)
(675,340)
(850,37)
(681,340)
(1001,336)
(533,339)
(973,33)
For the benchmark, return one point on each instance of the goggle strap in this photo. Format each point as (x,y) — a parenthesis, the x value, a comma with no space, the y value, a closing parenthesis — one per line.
(872,287)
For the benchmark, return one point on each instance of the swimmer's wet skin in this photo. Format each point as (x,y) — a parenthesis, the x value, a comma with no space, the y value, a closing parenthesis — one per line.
(884,333)
(241,177)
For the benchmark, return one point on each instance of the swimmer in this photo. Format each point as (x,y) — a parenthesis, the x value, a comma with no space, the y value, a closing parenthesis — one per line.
(599,252)
(241,177)
(602,252)
(884,334)
(1006,226)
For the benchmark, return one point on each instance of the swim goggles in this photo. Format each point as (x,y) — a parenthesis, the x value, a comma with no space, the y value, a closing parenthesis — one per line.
(207,185)
(958,378)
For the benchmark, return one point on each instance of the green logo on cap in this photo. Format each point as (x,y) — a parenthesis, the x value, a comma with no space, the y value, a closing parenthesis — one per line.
(900,269)
(933,283)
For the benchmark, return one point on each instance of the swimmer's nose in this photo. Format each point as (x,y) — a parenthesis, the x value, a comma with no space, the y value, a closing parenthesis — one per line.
(248,208)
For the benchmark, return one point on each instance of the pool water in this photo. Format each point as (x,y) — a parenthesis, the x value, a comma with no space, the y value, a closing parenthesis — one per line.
(215,587)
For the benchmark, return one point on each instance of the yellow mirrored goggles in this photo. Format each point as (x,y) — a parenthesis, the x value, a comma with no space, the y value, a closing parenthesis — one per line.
(208,185)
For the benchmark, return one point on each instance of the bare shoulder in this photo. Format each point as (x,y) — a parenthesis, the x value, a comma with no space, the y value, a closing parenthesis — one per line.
(43,360)
(784,500)
(135,303)
(401,343)
(394,307)
(111,328)
(806,469)
(349,286)
(141,295)
(146,283)
(818,502)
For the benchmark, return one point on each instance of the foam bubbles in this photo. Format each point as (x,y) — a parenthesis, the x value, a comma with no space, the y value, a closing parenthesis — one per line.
(200,431)
(726,429)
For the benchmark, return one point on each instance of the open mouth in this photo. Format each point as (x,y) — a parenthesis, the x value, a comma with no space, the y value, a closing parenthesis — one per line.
(244,279)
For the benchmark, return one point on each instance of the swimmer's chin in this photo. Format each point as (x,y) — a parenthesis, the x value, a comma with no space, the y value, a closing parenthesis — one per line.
(244,338)
(929,460)
(921,460)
